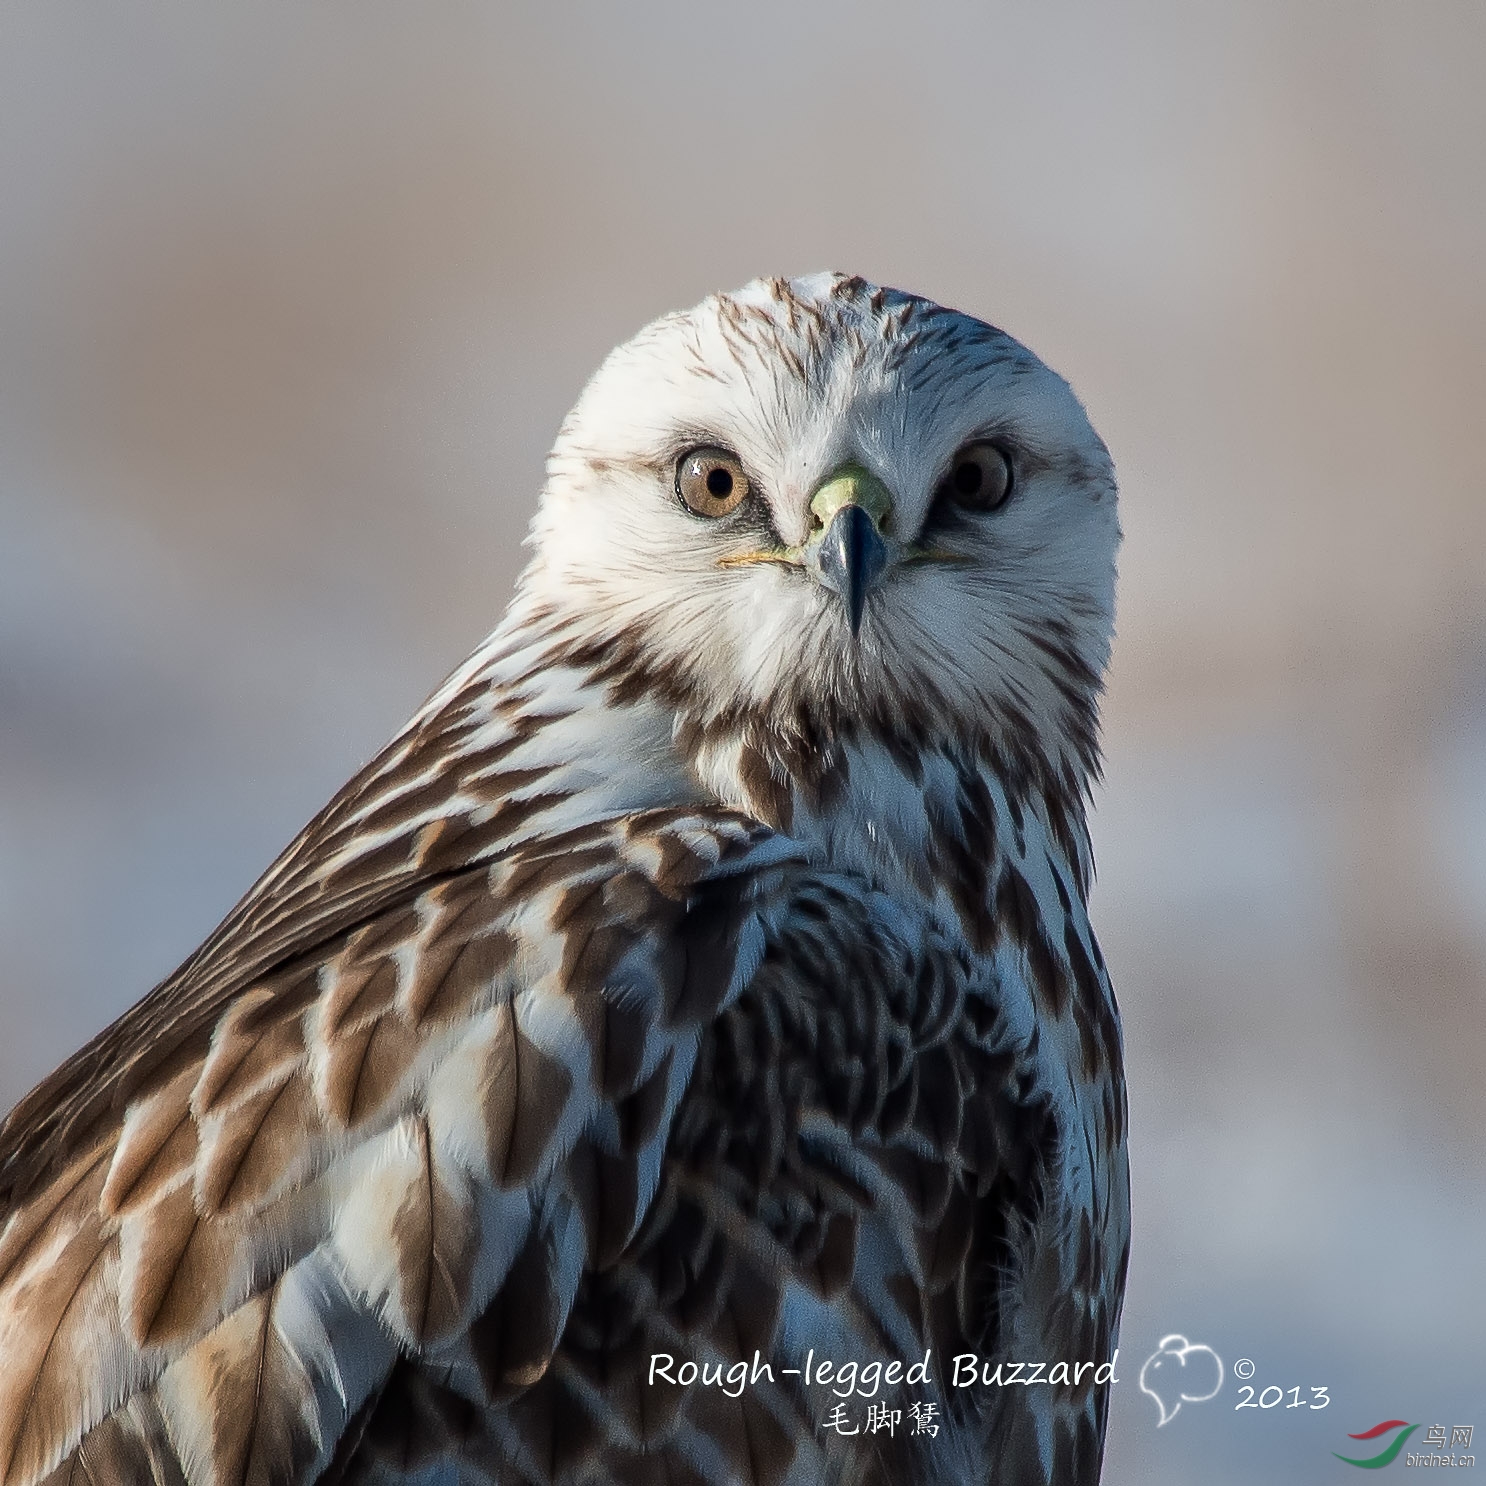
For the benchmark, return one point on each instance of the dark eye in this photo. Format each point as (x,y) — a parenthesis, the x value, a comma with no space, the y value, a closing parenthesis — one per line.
(979,479)
(711,481)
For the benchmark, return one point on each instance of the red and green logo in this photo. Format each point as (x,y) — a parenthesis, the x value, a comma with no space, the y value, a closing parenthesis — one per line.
(1390,1454)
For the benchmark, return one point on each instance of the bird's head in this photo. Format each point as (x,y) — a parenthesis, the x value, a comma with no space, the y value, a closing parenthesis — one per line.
(816,507)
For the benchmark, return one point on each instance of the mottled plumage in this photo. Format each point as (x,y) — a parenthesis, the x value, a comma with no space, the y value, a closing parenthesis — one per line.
(704,970)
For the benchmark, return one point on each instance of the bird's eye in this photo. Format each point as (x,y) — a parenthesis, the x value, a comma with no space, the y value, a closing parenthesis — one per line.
(979,479)
(711,481)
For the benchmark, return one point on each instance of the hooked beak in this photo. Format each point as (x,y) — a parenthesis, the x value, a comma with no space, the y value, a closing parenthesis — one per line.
(846,551)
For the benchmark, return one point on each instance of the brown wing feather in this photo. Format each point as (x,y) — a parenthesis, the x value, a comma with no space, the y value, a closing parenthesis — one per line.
(271,1107)
(328,881)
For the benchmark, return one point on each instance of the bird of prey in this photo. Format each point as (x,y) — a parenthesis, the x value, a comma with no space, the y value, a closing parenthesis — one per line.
(701,978)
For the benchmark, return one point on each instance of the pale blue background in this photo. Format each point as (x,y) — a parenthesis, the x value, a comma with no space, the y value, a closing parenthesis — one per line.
(292,299)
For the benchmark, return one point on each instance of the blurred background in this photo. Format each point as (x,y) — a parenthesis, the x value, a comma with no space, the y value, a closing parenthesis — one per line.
(292,300)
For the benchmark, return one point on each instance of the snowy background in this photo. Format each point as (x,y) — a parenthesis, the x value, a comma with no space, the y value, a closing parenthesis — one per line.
(292,299)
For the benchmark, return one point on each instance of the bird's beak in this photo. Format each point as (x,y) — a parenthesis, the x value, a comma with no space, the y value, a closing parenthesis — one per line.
(845,550)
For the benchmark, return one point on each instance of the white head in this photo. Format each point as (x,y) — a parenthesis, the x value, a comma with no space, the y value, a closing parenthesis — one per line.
(899,519)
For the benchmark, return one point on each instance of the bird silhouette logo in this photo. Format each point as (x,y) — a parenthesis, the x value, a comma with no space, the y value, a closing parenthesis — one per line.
(1179,1372)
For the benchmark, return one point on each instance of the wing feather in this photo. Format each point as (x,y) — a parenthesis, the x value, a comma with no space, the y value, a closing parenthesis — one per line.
(272,1108)
(331,880)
